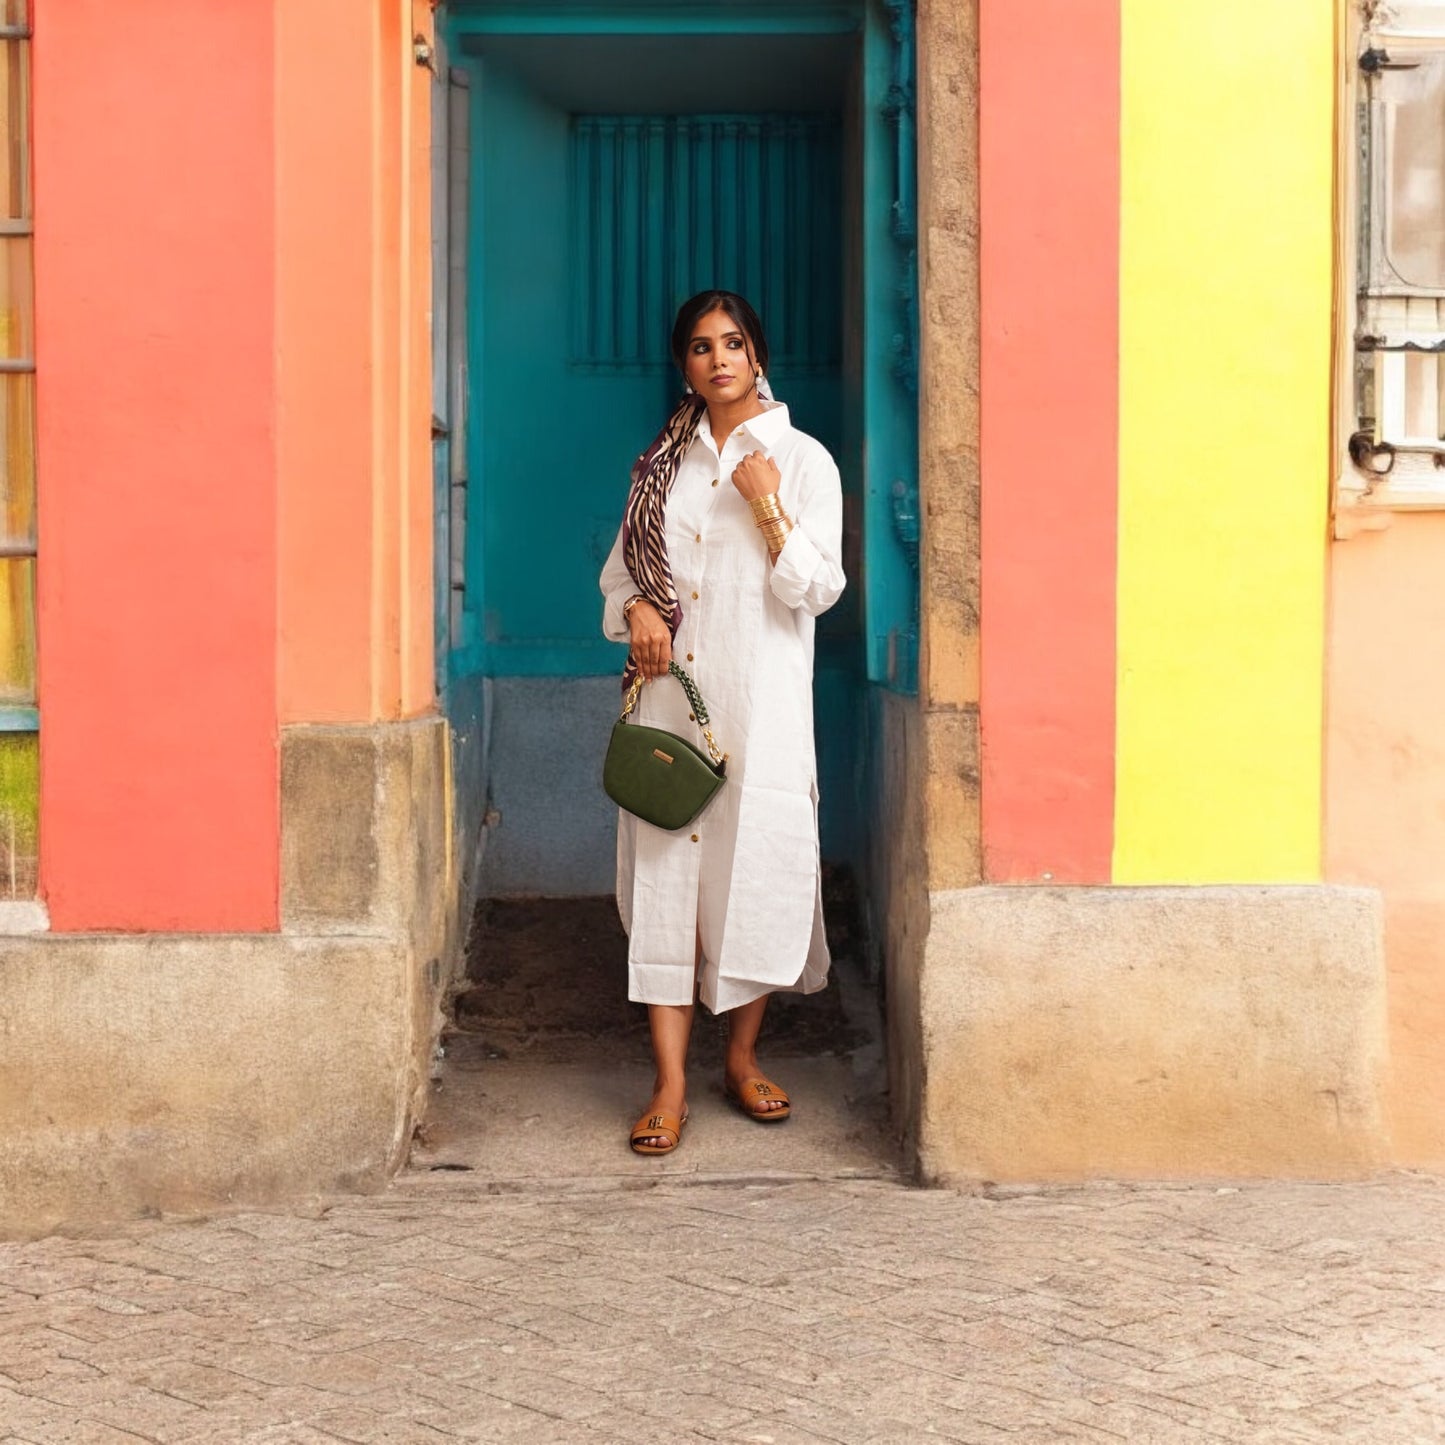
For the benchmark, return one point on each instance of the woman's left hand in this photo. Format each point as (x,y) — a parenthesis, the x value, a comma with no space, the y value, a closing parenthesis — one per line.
(757,476)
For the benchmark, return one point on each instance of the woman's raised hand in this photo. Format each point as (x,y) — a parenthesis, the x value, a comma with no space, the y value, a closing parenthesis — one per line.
(651,640)
(757,475)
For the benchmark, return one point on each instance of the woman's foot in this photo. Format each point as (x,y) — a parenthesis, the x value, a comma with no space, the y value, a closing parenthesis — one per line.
(659,1129)
(753,1092)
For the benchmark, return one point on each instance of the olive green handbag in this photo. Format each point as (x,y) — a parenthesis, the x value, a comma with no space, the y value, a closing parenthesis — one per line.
(656,775)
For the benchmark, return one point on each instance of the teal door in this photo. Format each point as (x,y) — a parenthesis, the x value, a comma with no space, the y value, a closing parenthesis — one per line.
(595,229)
(621,160)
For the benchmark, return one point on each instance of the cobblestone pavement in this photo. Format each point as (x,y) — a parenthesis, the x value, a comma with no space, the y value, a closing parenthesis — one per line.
(772,1314)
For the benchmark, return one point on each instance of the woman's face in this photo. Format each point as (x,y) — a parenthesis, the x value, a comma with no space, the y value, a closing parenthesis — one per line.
(718,363)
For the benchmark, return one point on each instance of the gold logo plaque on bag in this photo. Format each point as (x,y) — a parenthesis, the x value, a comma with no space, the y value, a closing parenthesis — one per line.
(658,753)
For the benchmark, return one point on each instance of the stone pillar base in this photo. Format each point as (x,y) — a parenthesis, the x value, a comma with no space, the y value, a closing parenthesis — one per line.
(1166,1033)
(158,1072)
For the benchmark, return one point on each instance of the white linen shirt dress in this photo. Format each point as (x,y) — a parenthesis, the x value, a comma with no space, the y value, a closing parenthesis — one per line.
(744,877)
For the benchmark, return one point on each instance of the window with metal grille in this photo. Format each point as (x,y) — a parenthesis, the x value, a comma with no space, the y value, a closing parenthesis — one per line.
(664,206)
(1395,195)
(19,719)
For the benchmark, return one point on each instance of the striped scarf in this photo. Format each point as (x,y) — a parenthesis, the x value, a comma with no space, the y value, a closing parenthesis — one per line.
(644,524)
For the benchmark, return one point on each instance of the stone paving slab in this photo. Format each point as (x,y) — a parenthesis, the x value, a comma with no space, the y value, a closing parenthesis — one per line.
(765,1314)
(539,1123)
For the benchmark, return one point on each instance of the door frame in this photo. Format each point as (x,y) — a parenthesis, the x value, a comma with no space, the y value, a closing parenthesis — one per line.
(886,411)
(881,395)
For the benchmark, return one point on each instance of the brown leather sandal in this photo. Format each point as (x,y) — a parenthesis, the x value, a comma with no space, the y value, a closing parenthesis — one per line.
(751,1095)
(657,1126)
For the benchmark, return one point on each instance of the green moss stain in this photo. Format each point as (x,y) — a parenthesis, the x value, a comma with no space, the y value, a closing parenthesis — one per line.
(19,813)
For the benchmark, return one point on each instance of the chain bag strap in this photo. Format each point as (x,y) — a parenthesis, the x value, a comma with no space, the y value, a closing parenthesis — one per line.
(656,775)
(694,698)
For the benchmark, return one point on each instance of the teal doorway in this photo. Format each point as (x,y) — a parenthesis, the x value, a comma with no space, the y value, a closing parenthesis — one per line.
(618,159)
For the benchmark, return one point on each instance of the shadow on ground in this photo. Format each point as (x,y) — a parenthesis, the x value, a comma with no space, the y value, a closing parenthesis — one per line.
(547,1065)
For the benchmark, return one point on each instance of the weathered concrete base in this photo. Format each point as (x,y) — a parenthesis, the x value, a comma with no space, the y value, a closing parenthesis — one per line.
(368,847)
(161,1072)
(151,1073)
(364,845)
(1077,1033)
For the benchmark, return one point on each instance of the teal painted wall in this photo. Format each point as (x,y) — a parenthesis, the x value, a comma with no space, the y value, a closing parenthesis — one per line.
(548,444)
(888,413)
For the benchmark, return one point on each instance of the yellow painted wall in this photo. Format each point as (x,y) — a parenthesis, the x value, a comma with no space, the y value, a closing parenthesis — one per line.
(1225,273)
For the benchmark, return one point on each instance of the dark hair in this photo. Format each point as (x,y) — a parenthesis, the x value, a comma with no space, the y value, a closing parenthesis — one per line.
(704,304)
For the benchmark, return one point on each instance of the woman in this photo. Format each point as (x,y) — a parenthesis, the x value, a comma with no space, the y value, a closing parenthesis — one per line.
(728,550)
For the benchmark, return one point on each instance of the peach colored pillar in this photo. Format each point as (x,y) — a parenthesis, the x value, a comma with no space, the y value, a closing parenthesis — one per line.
(1385,779)
(418,689)
(353,339)
(324,347)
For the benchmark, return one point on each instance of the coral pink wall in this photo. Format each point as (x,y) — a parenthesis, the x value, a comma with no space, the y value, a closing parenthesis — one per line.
(233,298)
(1049,233)
(1385,793)
(155,260)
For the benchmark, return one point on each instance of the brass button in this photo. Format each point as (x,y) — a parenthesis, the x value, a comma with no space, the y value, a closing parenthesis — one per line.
(698,538)
(694,838)
(694,596)
(692,717)
(689,657)
(714,484)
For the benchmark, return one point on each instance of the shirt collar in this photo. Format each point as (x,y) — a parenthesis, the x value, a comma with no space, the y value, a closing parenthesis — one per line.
(769,425)
(766,428)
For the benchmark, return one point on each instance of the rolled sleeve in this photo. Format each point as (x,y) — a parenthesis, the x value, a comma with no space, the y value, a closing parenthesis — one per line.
(807,574)
(617,586)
